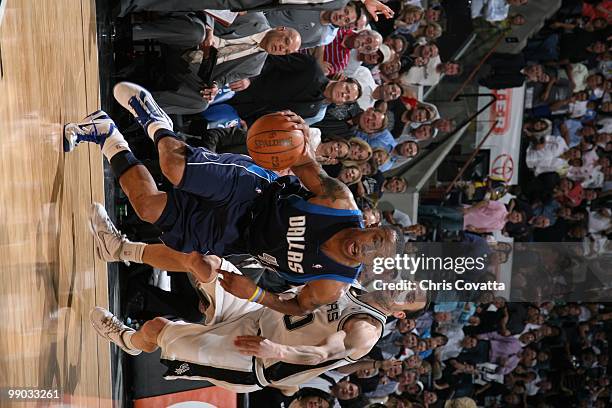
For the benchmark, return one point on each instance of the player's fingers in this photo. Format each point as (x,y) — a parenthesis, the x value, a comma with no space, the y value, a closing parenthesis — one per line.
(297,118)
(293,116)
(247,348)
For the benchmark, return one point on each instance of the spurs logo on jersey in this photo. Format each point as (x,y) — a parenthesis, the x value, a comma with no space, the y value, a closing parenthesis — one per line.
(183,368)
(295,239)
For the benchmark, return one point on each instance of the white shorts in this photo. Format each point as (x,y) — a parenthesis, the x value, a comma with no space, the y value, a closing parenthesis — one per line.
(207,352)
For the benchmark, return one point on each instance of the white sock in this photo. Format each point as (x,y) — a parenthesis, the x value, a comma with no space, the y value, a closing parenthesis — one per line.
(126,336)
(155,126)
(132,251)
(114,144)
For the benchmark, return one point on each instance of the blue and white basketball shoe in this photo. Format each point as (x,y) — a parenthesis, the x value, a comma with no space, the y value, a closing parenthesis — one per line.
(140,103)
(95,128)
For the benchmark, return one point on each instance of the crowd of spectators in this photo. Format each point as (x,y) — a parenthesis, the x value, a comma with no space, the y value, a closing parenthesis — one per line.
(356,76)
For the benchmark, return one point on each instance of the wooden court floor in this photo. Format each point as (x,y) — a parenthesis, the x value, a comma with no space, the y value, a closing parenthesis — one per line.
(50,276)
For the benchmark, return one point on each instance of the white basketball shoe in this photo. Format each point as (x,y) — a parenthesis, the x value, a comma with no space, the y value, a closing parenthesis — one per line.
(140,103)
(94,128)
(108,239)
(111,328)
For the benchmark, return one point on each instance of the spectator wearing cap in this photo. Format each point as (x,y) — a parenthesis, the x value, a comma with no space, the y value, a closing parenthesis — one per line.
(357,59)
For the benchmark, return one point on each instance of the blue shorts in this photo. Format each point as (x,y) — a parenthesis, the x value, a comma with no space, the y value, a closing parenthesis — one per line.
(207,210)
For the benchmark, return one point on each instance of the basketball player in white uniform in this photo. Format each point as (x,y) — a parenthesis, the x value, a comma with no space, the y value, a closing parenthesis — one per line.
(245,347)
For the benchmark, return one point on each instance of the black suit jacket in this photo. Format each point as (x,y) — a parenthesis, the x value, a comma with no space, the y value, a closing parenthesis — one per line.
(505,71)
(294,82)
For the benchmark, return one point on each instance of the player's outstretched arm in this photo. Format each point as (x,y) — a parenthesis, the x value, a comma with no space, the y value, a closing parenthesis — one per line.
(312,296)
(328,191)
(202,267)
(355,341)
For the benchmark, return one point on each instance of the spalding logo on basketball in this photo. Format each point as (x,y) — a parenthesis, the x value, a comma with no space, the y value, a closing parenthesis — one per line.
(274,143)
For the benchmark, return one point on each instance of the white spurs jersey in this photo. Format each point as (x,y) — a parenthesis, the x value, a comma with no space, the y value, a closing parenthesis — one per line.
(308,330)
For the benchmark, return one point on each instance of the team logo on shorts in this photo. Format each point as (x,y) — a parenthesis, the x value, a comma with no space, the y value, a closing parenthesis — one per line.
(183,368)
(210,155)
(268,259)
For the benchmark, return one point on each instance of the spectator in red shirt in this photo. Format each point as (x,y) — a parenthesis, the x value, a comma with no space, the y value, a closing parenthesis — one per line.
(570,193)
(601,10)
(336,55)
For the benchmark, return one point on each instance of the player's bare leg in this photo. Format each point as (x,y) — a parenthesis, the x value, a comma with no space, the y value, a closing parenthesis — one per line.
(138,184)
(157,125)
(135,179)
(145,338)
(112,246)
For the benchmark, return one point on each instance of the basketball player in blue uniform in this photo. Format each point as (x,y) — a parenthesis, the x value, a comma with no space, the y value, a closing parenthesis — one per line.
(224,204)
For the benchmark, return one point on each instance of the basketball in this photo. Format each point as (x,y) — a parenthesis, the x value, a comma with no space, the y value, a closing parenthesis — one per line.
(274,143)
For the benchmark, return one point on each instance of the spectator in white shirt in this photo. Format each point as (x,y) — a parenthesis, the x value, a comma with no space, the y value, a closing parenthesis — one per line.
(371,92)
(547,155)
(431,74)
(494,10)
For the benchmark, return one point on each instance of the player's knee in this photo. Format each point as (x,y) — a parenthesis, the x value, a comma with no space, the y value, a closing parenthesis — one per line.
(145,210)
(172,167)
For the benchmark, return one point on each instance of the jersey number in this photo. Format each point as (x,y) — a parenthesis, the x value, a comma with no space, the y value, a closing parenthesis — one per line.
(297,323)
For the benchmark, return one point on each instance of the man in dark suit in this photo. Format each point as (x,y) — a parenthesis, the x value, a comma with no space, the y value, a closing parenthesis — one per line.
(509,71)
(374,7)
(293,82)
(240,52)
(190,29)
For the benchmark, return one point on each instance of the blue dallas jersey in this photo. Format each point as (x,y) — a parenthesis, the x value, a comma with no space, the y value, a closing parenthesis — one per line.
(286,234)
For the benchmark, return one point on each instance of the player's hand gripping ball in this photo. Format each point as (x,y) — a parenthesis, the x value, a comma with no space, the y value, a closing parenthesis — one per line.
(276,141)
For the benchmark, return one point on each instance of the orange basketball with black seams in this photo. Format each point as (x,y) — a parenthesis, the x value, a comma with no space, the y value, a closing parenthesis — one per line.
(274,143)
